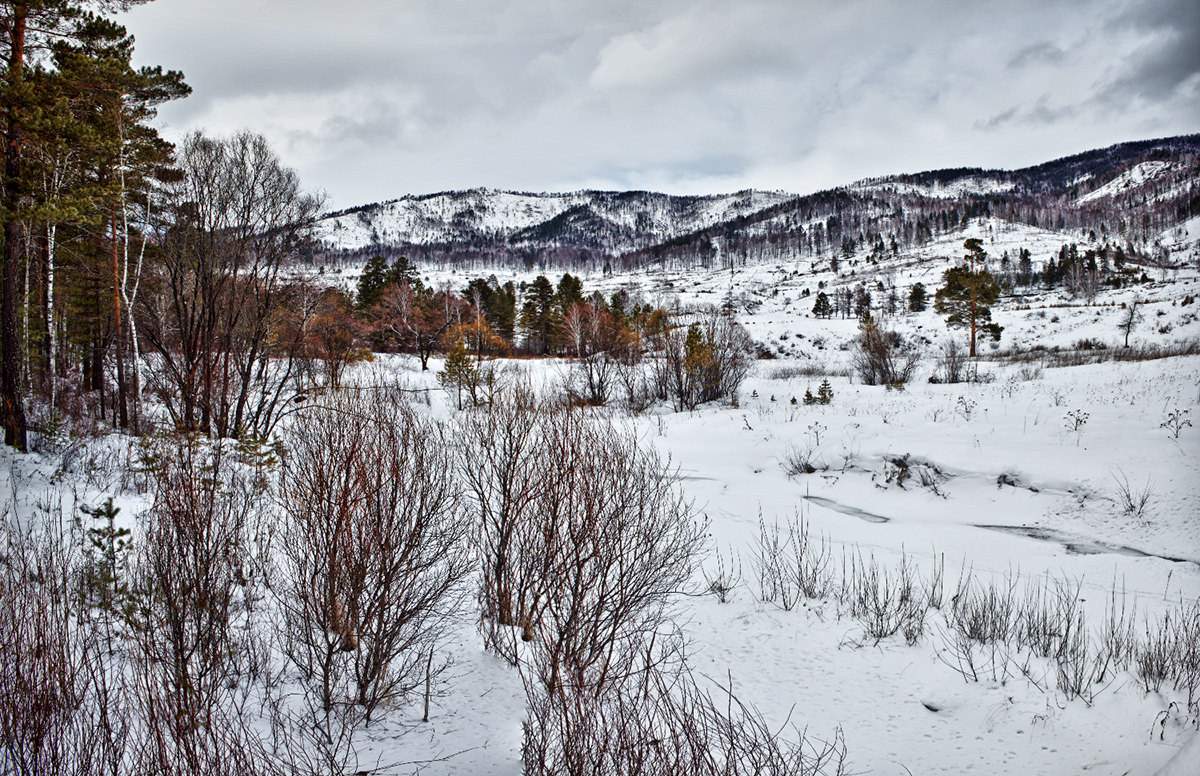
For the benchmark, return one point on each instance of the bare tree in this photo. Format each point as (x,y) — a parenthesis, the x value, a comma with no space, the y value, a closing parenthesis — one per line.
(1131,317)
(231,220)
(599,342)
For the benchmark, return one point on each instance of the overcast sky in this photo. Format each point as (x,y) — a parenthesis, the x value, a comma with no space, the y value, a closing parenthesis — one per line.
(374,99)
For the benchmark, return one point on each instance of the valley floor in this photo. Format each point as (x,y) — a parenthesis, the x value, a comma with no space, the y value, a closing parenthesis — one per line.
(1020,499)
(1015,482)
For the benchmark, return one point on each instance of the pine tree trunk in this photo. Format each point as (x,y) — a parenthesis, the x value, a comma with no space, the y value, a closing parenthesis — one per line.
(12,412)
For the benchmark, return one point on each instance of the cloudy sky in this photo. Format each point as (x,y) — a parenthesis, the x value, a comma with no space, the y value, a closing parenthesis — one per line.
(373,99)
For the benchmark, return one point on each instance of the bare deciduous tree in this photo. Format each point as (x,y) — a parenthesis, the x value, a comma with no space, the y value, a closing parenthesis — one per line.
(1131,317)
(231,220)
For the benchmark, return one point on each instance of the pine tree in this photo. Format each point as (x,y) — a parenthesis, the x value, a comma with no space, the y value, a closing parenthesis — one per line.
(539,316)
(75,139)
(460,372)
(372,281)
(108,548)
(822,308)
(917,298)
(404,272)
(967,294)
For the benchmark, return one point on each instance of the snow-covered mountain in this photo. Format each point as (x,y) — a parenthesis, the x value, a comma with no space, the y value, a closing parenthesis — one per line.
(1141,195)
(613,221)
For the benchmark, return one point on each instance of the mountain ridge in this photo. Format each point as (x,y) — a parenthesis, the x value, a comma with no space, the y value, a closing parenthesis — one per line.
(593,228)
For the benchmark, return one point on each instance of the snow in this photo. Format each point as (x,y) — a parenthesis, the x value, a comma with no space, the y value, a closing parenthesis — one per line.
(1135,176)
(813,668)
(440,217)
(1062,520)
(1186,761)
(965,186)
(900,708)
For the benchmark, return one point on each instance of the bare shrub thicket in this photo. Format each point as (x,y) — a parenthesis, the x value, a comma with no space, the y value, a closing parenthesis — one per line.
(704,362)
(989,629)
(886,601)
(374,546)
(792,564)
(1056,356)
(583,536)
(882,357)
(44,660)
(502,455)
(954,365)
(196,575)
(1171,653)
(616,538)
(150,674)
(658,722)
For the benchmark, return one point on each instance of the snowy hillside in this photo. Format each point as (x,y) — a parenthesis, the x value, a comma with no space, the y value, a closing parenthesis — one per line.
(1132,194)
(966,186)
(1132,178)
(496,215)
(774,300)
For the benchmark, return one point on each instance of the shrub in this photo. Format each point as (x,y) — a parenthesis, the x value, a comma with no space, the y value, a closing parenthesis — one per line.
(705,362)
(882,357)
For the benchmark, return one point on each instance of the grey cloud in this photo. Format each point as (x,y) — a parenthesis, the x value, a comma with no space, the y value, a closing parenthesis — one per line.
(998,120)
(371,99)
(1168,62)
(1036,54)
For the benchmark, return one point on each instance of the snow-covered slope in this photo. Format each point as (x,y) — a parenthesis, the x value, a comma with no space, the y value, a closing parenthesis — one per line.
(1132,178)
(642,218)
(977,185)
(1133,193)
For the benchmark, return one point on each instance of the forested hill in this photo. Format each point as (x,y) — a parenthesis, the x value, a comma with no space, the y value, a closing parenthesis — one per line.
(1131,194)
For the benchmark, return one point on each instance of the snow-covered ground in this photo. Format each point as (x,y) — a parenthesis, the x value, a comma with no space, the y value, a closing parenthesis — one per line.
(1061,520)
(1024,492)
(903,709)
